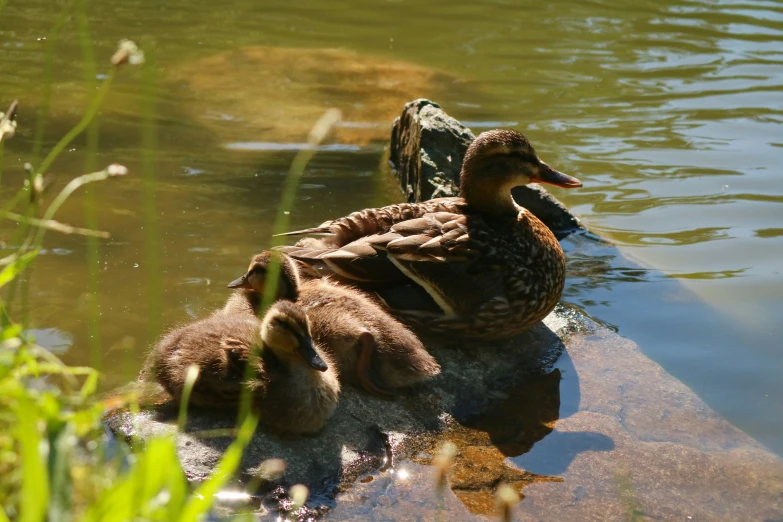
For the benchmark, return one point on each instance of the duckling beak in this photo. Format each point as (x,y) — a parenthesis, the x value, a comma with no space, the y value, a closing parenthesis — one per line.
(547,174)
(311,357)
(242,282)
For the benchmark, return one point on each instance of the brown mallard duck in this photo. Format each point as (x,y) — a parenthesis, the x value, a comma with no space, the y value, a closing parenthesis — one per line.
(371,348)
(477,265)
(295,388)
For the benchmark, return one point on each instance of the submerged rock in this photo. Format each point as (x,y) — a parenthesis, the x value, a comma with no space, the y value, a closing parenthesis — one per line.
(631,443)
(274,94)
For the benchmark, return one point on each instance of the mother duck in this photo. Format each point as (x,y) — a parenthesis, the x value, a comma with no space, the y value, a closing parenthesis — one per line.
(477,265)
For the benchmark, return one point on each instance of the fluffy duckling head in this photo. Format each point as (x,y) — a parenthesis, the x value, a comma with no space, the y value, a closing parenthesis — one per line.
(256,277)
(285,331)
(499,160)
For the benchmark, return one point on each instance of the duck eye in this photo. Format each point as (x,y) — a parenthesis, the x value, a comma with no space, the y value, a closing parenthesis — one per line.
(525,157)
(277,323)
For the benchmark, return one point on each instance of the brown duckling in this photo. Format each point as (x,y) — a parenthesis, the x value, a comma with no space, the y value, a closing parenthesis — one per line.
(477,265)
(246,298)
(371,348)
(295,388)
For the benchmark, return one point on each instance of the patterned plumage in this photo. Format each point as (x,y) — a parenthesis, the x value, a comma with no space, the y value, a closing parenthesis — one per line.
(490,268)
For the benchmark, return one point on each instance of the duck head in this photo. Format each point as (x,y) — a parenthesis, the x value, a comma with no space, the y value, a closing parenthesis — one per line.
(496,162)
(256,277)
(285,331)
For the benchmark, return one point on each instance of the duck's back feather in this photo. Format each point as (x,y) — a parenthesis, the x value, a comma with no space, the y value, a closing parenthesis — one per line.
(340,232)
(491,276)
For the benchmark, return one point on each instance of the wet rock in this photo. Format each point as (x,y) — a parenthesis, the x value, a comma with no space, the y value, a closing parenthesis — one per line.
(631,443)
(427,147)
(275,94)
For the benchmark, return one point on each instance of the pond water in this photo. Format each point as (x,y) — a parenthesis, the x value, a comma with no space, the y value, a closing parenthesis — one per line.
(670,112)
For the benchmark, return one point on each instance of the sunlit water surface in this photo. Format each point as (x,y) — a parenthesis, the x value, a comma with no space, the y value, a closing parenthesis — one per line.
(670,112)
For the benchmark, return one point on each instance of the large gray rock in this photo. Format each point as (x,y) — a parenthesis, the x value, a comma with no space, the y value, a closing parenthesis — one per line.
(427,147)
(631,443)
(606,434)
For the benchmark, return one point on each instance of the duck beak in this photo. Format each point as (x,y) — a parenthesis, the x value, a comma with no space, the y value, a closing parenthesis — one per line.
(311,357)
(242,282)
(547,174)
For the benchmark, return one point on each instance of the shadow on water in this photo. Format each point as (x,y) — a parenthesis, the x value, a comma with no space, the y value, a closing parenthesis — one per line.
(514,439)
(553,453)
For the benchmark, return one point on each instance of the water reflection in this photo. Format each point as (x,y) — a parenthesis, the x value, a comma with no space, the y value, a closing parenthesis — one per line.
(519,417)
(54,340)
(768,232)
(516,418)
(494,446)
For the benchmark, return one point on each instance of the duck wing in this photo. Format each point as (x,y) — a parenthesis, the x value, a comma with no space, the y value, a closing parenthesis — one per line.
(371,221)
(449,255)
(453,259)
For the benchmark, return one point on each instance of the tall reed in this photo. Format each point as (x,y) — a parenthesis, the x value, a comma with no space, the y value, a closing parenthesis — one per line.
(90,205)
(149,142)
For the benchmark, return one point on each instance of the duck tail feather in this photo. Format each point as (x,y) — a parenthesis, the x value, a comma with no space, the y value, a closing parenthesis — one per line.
(304,254)
(317,231)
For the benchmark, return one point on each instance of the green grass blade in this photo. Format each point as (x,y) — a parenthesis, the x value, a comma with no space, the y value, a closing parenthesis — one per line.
(90,204)
(154,488)
(201,501)
(15,267)
(66,192)
(190,381)
(60,454)
(43,108)
(318,133)
(91,112)
(35,482)
(149,143)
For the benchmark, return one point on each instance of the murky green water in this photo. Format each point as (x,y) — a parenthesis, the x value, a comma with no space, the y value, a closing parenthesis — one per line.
(670,112)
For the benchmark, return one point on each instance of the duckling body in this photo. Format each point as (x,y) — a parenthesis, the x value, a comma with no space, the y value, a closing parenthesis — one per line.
(295,387)
(358,332)
(490,268)
(370,347)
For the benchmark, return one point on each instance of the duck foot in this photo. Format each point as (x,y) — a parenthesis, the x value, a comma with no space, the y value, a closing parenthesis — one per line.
(364,368)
